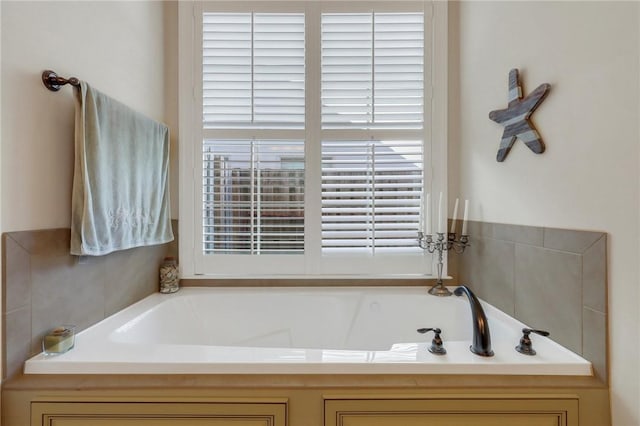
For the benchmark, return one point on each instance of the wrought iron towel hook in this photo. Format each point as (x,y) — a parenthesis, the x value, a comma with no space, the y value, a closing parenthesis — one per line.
(54,83)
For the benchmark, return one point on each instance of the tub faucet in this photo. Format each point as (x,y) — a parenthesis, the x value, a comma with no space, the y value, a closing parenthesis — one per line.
(481,335)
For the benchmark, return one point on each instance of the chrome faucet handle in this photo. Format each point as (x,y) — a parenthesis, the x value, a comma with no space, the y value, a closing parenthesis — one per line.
(436,347)
(526,347)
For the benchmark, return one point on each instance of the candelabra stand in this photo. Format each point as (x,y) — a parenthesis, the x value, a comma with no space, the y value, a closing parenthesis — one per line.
(426,242)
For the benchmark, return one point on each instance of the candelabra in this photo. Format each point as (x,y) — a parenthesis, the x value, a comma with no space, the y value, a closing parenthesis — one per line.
(426,242)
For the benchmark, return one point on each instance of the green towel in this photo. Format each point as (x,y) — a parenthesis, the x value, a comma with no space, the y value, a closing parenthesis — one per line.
(120,193)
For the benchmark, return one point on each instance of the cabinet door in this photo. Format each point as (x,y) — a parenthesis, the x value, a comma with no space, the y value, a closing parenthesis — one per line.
(452,419)
(105,421)
(478,411)
(160,414)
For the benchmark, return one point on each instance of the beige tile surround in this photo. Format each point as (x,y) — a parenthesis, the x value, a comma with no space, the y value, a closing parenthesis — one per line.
(44,286)
(551,279)
(548,278)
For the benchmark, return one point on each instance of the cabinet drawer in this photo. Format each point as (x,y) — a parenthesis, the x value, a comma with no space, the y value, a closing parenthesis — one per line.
(478,411)
(157,413)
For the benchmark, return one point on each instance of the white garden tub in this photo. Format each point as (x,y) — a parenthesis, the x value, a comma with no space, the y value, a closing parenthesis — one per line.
(350,330)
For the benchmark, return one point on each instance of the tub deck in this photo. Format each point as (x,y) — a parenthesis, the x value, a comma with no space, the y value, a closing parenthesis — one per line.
(301,331)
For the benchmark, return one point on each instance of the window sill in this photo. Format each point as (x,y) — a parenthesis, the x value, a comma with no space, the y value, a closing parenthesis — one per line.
(208,281)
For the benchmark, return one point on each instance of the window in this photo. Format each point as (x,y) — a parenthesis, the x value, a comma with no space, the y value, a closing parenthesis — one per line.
(310,144)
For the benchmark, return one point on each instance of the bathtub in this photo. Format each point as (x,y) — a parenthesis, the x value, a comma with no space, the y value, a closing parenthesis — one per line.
(351,330)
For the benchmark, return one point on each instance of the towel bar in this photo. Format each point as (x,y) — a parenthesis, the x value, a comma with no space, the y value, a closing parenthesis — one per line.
(54,83)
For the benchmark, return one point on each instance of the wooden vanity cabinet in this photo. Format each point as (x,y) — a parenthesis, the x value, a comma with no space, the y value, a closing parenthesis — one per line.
(477,410)
(302,401)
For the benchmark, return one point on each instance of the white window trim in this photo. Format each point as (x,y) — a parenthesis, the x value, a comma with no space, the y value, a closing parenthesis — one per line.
(190,125)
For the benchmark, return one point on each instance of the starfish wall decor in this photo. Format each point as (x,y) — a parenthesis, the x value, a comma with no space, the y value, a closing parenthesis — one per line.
(515,118)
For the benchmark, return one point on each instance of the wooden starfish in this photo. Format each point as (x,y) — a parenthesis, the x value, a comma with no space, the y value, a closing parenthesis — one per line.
(515,118)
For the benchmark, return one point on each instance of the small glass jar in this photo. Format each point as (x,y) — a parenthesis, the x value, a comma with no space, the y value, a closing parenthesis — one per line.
(59,340)
(169,275)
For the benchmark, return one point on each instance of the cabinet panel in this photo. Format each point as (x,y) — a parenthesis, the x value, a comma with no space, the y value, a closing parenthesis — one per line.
(155,413)
(451,419)
(441,411)
(85,421)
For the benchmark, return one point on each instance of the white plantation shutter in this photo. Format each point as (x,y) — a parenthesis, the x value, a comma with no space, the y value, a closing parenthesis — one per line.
(312,141)
(372,78)
(253,70)
(278,91)
(372,70)
(226,69)
(253,78)
(371,196)
(347,79)
(253,197)
(398,70)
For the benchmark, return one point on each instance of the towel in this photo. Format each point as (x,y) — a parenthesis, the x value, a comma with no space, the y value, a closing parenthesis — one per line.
(120,193)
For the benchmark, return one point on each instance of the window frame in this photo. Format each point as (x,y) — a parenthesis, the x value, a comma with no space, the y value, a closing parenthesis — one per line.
(433,133)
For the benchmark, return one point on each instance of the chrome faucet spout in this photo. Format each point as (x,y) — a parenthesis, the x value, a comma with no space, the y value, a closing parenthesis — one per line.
(481,344)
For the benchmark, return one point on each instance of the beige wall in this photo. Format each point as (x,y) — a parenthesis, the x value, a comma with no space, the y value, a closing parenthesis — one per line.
(117,46)
(1,326)
(588,178)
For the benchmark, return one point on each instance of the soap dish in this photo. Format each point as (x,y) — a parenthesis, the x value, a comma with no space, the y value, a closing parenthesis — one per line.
(59,340)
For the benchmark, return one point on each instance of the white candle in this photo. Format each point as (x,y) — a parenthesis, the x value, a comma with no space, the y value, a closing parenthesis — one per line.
(427,218)
(421,217)
(440,218)
(464,219)
(455,215)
